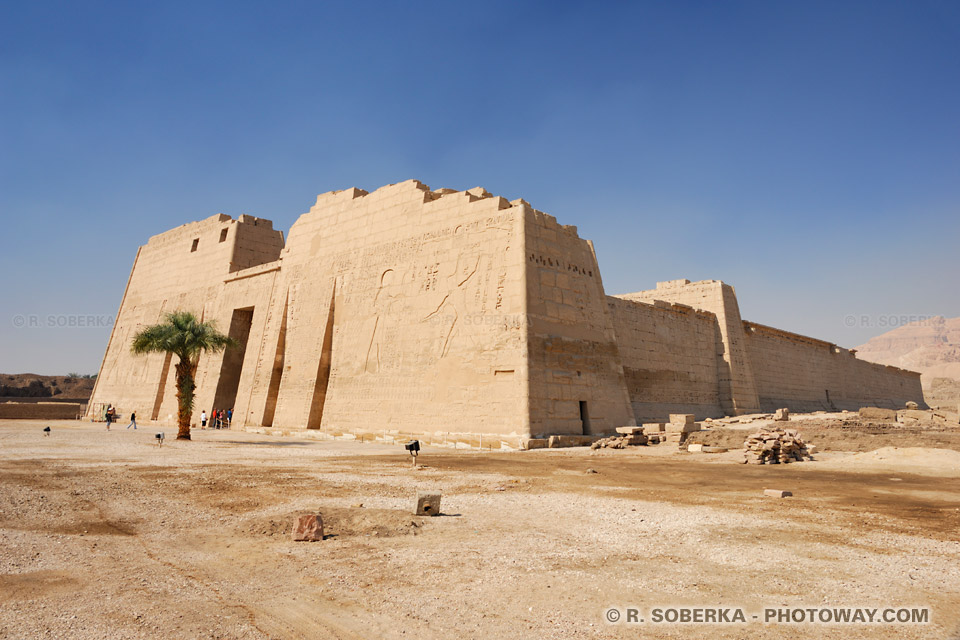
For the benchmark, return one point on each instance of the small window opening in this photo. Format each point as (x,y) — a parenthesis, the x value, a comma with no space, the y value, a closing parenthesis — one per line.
(196,243)
(223,235)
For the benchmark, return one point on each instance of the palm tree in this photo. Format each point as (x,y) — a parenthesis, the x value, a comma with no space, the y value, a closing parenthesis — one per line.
(181,334)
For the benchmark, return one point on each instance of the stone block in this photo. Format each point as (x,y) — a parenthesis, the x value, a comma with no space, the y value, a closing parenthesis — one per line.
(653,427)
(695,448)
(681,428)
(535,443)
(428,504)
(559,442)
(782,415)
(876,413)
(682,418)
(629,431)
(917,418)
(776,493)
(308,528)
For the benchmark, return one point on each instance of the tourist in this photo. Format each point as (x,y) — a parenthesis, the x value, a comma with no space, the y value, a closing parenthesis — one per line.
(203,419)
(229,417)
(133,420)
(109,415)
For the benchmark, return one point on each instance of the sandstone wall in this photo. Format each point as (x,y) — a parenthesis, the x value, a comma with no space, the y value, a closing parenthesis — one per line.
(806,374)
(576,376)
(669,358)
(40,410)
(398,309)
(738,392)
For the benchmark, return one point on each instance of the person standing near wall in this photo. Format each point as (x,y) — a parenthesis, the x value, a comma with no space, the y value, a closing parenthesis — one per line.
(110,415)
(203,419)
(229,417)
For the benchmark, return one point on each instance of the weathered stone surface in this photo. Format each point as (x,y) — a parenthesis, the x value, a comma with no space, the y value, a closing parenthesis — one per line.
(428,504)
(308,528)
(912,405)
(876,413)
(682,418)
(781,415)
(694,448)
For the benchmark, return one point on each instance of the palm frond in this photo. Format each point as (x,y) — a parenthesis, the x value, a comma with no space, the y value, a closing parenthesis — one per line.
(181,333)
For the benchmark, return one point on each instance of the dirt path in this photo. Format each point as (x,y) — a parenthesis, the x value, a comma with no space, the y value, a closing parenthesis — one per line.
(103,535)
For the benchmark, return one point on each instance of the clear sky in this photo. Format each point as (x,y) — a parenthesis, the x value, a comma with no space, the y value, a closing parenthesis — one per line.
(806,152)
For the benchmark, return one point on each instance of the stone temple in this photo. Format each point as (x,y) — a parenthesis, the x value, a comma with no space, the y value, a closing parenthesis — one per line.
(425,311)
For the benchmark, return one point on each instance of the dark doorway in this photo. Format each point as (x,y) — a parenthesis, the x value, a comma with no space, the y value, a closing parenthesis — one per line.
(229,381)
(585,417)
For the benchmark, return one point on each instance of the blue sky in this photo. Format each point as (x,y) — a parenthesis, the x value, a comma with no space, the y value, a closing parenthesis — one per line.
(807,153)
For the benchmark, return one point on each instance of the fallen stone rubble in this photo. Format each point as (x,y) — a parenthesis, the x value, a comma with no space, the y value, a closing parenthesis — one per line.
(621,441)
(775,446)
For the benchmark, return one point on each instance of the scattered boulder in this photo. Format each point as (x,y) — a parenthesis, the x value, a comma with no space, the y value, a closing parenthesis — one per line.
(782,415)
(308,528)
(912,405)
(428,504)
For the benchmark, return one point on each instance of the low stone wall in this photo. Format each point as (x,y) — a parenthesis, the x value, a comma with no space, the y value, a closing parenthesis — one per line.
(40,410)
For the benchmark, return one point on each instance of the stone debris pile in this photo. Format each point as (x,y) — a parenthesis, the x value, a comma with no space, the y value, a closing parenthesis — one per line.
(629,436)
(775,446)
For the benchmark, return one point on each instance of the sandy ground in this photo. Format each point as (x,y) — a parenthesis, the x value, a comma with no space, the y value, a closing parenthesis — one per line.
(105,535)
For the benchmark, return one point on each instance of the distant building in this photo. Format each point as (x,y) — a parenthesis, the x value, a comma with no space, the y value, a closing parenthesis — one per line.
(455,311)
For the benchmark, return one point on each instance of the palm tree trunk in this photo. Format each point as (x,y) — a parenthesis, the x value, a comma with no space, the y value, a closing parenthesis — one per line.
(185,387)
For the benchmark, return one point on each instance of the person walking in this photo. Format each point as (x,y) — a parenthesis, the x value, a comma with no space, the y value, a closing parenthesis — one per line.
(133,420)
(109,415)
(203,419)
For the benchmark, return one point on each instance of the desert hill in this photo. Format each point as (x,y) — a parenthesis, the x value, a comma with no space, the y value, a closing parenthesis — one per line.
(30,387)
(930,346)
